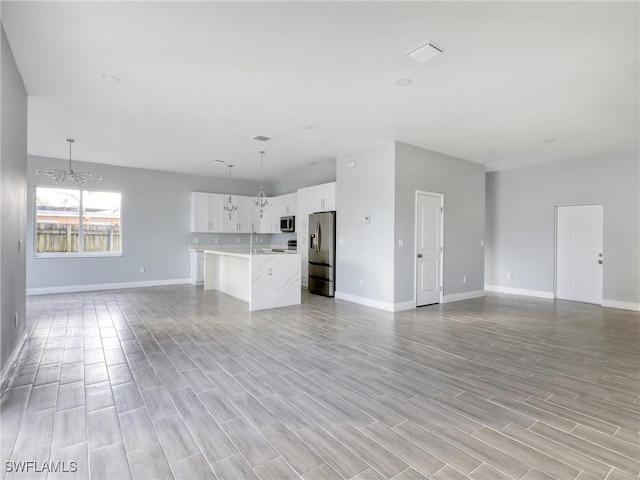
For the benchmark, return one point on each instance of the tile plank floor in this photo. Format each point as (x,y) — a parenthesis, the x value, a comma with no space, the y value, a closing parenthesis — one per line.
(175,382)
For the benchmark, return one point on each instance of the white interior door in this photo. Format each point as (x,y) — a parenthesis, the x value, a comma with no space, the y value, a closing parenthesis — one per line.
(579,260)
(429,214)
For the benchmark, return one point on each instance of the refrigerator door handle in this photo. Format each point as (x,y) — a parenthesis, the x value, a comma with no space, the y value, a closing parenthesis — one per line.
(318,238)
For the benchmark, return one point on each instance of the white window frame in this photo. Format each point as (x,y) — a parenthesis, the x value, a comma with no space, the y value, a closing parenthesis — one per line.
(80,253)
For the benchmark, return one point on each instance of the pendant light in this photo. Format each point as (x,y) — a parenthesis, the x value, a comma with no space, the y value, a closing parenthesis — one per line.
(60,176)
(261,201)
(229,206)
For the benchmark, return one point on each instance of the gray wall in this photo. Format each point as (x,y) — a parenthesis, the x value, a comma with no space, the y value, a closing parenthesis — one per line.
(463,185)
(155,226)
(521,222)
(13,172)
(367,250)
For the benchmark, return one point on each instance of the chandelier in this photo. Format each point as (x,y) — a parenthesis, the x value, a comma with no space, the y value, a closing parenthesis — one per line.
(229,207)
(59,176)
(261,201)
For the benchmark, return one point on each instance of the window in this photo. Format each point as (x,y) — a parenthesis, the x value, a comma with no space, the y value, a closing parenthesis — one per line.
(61,230)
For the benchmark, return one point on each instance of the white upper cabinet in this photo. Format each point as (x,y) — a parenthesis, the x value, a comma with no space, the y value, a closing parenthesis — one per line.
(199,212)
(254,218)
(320,198)
(241,220)
(303,209)
(288,204)
(266,221)
(208,215)
(230,224)
(206,212)
(325,197)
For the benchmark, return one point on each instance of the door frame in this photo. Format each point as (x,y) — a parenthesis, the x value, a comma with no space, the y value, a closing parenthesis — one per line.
(555,243)
(415,244)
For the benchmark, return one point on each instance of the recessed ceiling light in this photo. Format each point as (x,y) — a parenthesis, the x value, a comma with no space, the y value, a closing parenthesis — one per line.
(403,82)
(307,127)
(261,138)
(549,140)
(425,52)
(110,78)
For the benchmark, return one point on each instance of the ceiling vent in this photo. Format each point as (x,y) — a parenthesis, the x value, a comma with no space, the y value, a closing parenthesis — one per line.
(425,52)
(261,138)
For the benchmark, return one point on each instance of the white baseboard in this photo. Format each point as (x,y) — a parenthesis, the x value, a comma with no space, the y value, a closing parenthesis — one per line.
(520,291)
(622,305)
(106,286)
(370,302)
(456,297)
(5,375)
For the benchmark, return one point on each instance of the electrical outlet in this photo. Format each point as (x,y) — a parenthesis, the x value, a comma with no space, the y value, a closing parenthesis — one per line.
(464,279)
(215,240)
(237,240)
(142,270)
(361,283)
(401,242)
(270,271)
(196,240)
(509,276)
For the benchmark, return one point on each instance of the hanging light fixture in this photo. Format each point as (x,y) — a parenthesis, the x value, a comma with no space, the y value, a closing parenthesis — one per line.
(229,206)
(59,176)
(261,201)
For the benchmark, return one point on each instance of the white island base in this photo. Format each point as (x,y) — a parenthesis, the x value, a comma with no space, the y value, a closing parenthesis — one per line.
(264,280)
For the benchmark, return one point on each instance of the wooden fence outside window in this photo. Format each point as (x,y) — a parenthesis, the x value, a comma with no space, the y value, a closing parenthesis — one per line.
(56,238)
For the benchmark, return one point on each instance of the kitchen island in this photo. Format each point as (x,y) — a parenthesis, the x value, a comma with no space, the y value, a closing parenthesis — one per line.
(263,278)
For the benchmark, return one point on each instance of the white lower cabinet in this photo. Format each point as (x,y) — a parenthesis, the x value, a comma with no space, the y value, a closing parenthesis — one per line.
(197,267)
(303,250)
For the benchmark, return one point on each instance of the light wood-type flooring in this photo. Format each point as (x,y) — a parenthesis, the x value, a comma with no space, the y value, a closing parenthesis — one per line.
(175,382)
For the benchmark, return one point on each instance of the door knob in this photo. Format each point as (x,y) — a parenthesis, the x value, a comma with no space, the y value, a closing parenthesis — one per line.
(419,255)
(600,262)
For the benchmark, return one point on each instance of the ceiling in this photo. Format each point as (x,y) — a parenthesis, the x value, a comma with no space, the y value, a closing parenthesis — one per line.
(518,84)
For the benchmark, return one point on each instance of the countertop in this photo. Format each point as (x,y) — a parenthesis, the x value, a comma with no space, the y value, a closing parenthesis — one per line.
(245,253)
(242,250)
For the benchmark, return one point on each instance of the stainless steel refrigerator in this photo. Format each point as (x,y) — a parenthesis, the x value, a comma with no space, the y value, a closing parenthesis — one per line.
(322,253)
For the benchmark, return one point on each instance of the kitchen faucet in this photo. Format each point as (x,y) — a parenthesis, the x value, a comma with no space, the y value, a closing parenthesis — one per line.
(251,243)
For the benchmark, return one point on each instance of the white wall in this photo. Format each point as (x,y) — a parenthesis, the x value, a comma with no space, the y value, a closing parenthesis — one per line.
(155,227)
(367,250)
(13,170)
(316,173)
(463,185)
(521,222)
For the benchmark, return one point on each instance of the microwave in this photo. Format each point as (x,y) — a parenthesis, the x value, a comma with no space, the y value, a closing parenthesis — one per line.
(288,224)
